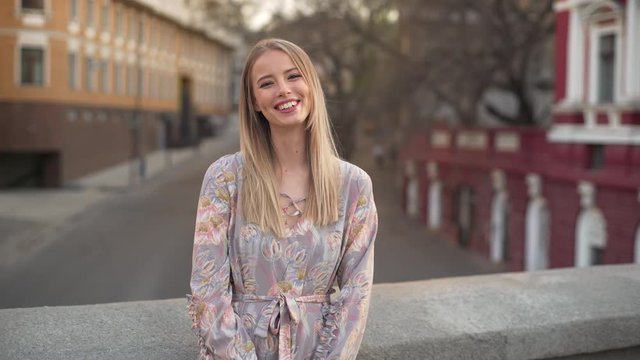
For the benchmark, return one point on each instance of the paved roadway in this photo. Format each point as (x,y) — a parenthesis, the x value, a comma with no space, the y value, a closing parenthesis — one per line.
(136,245)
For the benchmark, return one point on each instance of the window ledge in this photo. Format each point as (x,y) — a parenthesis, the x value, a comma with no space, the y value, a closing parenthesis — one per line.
(33,18)
(570,107)
(90,32)
(73,27)
(596,134)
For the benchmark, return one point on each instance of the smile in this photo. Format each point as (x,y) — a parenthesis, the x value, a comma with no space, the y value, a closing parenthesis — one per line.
(287,106)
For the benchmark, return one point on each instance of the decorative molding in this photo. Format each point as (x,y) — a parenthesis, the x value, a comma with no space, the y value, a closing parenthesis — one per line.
(440,139)
(597,134)
(90,33)
(73,28)
(432,170)
(73,45)
(498,180)
(471,140)
(507,142)
(410,169)
(534,185)
(587,194)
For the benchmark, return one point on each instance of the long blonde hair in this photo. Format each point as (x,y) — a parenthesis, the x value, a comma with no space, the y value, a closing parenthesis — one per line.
(259,200)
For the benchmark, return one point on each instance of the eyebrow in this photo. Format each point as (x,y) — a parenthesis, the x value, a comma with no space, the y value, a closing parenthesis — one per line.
(269,75)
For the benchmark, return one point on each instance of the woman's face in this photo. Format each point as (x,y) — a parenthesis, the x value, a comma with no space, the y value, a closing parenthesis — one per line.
(280,91)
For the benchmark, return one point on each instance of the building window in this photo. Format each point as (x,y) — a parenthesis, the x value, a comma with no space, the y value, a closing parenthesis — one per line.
(141,30)
(73,71)
(118,24)
(595,156)
(117,78)
(73,10)
(131,29)
(104,76)
(33,5)
(606,68)
(132,80)
(89,74)
(32,66)
(90,12)
(152,29)
(104,17)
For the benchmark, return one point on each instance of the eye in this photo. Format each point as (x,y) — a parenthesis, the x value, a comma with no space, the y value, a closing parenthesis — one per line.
(265,84)
(294,76)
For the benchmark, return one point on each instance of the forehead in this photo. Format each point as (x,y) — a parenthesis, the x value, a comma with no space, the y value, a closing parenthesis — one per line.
(271,62)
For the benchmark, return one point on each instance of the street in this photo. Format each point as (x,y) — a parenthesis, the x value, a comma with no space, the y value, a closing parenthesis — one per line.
(136,245)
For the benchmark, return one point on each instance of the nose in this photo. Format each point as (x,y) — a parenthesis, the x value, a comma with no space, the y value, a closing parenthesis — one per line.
(283,89)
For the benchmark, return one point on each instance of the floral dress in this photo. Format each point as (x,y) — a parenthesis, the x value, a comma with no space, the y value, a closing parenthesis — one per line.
(257,296)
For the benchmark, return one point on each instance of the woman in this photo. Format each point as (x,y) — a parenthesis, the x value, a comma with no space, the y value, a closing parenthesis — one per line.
(279,222)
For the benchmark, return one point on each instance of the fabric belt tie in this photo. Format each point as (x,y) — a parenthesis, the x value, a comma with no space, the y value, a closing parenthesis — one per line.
(280,322)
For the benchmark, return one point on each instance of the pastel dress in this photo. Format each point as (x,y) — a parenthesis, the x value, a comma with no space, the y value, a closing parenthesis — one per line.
(257,296)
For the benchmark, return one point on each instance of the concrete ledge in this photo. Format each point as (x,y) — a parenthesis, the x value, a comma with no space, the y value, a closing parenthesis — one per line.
(541,315)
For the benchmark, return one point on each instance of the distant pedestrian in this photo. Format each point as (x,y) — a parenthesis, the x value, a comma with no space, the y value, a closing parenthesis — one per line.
(279,222)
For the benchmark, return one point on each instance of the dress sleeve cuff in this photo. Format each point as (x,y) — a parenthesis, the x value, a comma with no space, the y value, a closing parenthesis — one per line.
(332,314)
(195,308)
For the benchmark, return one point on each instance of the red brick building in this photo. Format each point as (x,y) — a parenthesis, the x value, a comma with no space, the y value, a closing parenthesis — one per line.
(546,198)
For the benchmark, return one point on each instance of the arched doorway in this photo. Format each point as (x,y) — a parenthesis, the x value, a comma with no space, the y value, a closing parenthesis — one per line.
(465,204)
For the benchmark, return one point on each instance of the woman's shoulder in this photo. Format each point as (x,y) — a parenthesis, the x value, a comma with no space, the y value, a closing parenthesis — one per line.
(230,163)
(353,175)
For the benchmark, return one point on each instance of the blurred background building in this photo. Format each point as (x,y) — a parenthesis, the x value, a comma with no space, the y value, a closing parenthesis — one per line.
(538,197)
(85,84)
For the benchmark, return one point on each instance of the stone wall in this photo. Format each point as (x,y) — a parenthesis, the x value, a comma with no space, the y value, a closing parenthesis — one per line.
(540,315)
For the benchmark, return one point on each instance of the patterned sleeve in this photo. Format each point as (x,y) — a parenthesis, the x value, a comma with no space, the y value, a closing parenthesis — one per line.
(345,319)
(220,332)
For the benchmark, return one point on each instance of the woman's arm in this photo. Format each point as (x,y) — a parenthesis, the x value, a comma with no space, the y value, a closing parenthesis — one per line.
(219,329)
(346,318)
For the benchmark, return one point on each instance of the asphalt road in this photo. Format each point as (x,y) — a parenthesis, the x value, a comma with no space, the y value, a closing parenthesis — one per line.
(137,245)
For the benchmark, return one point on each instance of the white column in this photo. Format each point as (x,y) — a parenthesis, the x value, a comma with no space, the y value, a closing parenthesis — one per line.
(575,48)
(632,61)
(435,204)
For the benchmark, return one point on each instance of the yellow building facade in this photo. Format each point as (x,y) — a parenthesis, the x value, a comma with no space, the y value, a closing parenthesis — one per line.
(85,84)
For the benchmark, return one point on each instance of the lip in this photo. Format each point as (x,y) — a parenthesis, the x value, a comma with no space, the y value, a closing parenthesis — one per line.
(293,108)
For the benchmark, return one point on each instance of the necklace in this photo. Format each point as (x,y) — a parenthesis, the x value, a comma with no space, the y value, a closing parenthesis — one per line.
(292,204)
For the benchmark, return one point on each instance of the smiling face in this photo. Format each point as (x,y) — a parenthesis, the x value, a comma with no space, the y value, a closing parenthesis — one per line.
(280,92)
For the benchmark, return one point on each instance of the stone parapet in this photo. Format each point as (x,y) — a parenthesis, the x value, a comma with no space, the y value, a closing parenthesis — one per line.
(540,315)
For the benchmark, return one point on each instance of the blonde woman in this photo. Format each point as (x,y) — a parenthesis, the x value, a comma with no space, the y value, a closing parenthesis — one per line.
(279,222)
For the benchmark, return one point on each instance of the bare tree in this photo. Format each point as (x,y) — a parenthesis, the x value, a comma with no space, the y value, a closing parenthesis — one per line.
(455,51)
(422,57)
(521,30)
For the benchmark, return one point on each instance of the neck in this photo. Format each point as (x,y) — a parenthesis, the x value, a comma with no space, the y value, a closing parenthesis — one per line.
(290,149)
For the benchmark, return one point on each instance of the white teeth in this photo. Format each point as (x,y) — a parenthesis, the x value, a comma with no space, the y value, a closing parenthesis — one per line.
(287,105)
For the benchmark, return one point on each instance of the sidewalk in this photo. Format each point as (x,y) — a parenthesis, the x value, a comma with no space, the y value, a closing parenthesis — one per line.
(30,218)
